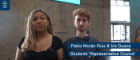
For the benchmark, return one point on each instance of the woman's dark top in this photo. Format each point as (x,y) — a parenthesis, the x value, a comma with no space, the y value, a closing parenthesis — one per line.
(49,54)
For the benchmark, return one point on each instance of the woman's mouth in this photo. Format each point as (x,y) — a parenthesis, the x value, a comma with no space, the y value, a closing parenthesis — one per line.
(39,26)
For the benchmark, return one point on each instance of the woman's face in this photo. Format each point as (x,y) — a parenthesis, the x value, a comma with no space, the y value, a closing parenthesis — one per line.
(40,22)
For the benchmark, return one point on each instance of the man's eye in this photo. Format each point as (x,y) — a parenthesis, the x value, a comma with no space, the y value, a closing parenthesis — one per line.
(78,20)
(84,20)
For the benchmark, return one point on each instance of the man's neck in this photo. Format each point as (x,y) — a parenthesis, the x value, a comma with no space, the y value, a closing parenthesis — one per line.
(81,34)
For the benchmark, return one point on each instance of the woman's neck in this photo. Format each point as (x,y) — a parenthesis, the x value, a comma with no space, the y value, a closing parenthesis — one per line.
(40,35)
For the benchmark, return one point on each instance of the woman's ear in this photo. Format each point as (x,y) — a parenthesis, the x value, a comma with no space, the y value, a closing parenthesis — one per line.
(48,22)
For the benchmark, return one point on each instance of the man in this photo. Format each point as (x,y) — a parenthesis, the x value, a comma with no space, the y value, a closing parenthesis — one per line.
(81,22)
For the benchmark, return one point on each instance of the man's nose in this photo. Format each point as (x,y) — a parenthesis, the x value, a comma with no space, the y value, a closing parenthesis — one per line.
(81,22)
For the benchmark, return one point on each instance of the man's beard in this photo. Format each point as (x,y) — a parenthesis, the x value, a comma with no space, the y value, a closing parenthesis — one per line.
(81,28)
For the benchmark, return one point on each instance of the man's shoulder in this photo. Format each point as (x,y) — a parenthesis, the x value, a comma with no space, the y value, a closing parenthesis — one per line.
(72,39)
(69,39)
(94,39)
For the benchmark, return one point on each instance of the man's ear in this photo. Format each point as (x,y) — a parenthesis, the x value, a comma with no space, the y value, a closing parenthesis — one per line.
(74,22)
(88,22)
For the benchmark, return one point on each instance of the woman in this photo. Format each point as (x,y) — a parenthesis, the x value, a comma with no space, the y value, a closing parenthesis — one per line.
(39,42)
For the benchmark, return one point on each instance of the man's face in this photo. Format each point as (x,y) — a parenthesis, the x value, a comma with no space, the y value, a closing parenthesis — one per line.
(81,23)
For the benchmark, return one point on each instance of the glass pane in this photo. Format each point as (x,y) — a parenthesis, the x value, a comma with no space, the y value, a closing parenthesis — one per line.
(117,32)
(112,32)
(128,33)
(127,13)
(120,2)
(126,3)
(120,13)
(113,2)
(122,32)
(114,13)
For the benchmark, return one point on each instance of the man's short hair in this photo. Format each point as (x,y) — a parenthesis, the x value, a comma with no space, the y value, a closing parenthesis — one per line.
(81,12)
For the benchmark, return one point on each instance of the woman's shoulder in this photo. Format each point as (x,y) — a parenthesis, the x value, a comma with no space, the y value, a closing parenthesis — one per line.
(20,42)
(57,41)
(56,37)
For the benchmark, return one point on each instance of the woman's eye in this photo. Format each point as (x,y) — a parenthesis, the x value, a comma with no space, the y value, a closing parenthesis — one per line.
(34,19)
(42,18)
